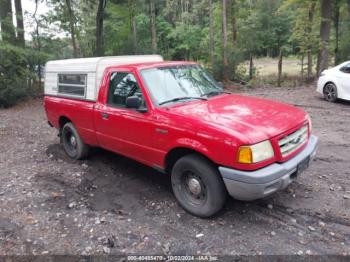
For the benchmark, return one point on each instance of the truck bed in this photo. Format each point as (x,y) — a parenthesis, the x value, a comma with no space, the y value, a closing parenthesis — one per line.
(80,112)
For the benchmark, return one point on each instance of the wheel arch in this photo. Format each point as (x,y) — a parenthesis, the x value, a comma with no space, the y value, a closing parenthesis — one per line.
(62,120)
(329,82)
(176,153)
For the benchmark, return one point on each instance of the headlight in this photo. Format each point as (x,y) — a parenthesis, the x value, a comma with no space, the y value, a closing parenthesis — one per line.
(255,153)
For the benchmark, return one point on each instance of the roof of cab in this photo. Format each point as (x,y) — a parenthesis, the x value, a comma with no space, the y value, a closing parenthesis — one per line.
(147,65)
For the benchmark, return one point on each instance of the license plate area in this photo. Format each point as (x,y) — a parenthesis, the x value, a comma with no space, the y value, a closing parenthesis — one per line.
(303,165)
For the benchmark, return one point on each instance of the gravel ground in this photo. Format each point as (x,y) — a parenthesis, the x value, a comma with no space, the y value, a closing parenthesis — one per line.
(50,204)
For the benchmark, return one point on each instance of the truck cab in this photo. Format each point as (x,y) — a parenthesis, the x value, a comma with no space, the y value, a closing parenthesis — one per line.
(174,117)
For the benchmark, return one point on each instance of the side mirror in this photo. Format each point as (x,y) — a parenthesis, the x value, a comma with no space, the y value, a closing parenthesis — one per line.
(133,102)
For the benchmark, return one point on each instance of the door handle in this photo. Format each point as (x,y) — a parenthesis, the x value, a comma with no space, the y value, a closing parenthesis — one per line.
(104,115)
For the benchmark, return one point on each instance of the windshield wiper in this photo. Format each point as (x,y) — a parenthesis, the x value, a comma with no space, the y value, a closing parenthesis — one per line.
(216,92)
(182,98)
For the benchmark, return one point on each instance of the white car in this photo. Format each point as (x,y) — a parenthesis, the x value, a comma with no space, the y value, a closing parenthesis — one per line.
(334,83)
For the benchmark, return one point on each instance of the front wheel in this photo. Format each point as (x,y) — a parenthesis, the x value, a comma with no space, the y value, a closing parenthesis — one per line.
(330,92)
(72,142)
(197,186)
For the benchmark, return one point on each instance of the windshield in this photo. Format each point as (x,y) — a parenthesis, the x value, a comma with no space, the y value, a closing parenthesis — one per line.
(179,83)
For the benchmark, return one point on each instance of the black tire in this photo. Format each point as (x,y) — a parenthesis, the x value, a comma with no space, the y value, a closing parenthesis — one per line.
(330,92)
(72,142)
(198,186)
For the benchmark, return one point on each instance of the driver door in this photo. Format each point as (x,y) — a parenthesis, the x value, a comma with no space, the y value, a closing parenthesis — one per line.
(124,130)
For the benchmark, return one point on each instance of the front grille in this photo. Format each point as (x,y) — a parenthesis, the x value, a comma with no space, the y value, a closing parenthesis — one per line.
(293,141)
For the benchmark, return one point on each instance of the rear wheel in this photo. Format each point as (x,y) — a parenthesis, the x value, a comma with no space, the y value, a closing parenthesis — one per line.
(72,142)
(197,186)
(330,92)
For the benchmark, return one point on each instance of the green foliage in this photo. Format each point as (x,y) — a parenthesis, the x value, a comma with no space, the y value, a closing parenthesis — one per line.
(300,37)
(117,30)
(13,75)
(262,28)
(185,40)
(18,73)
(344,46)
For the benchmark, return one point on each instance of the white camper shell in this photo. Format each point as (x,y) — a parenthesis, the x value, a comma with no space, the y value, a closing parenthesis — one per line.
(81,78)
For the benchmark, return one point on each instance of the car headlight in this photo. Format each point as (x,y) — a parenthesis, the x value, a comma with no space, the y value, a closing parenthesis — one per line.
(255,153)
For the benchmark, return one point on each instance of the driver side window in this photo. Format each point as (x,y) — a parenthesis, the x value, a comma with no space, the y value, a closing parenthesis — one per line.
(121,86)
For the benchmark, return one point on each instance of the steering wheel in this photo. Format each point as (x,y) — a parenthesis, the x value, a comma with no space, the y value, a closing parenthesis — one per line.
(133,89)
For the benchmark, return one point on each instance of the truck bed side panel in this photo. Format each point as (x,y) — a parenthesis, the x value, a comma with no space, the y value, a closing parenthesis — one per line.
(79,112)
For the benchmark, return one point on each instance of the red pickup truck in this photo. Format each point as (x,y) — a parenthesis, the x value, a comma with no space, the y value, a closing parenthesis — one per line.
(174,117)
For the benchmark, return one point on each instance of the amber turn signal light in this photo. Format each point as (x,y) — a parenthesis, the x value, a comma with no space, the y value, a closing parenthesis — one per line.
(245,155)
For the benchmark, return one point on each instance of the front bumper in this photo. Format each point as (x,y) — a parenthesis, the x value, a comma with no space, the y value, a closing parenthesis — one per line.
(251,185)
(320,84)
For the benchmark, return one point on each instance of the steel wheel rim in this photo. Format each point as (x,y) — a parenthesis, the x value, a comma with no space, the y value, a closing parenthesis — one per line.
(70,141)
(195,190)
(73,141)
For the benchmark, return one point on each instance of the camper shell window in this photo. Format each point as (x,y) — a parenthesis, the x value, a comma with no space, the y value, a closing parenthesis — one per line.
(72,84)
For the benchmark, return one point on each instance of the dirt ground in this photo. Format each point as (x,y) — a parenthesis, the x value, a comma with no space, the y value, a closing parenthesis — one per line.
(50,204)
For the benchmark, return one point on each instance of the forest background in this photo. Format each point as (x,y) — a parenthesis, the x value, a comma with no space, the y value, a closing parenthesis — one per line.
(251,42)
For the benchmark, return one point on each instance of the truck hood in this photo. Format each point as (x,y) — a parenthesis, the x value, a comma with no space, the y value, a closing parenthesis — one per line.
(250,119)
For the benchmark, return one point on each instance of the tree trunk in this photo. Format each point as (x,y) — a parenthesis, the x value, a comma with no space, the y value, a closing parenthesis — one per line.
(323,55)
(132,8)
(279,80)
(309,32)
(211,34)
(71,18)
(7,28)
(234,22)
(224,41)
(336,29)
(38,42)
(99,28)
(20,26)
(251,67)
(302,67)
(347,21)
(348,13)
(134,34)
(182,10)
(153,26)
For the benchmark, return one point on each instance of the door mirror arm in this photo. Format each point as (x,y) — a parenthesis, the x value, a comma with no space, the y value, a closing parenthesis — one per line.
(142,110)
